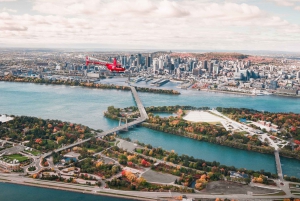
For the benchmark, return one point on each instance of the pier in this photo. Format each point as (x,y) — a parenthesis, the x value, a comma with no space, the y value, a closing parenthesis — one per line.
(142,118)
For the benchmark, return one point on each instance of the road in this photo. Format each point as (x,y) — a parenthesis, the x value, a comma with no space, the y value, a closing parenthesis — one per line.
(142,118)
(139,120)
(262,136)
(148,195)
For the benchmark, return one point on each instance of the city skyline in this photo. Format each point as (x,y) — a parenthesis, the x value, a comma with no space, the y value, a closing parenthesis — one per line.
(158,24)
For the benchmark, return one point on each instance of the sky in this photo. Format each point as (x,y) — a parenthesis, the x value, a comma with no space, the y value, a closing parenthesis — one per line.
(152,24)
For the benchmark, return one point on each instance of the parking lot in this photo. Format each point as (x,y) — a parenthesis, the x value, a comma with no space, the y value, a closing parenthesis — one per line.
(223,187)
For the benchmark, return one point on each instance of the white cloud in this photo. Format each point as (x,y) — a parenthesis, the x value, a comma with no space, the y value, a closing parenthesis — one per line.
(289,3)
(8,10)
(169,24)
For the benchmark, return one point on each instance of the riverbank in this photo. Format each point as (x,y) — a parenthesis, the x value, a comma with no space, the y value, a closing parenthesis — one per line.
(78,190)
(286,95)
(213,141)
(250,94)
(87,84)
(203,131)
(231,92)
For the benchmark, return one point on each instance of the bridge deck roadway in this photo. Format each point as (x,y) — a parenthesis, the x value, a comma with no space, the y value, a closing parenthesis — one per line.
(278,165)
(139,120)
(139,103)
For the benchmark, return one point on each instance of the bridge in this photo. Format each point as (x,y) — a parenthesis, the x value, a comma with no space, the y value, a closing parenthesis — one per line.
(278,165)
(142,118)
(139,103)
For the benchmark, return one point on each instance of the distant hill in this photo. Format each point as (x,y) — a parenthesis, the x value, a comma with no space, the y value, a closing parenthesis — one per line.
(213,55)
(226,56)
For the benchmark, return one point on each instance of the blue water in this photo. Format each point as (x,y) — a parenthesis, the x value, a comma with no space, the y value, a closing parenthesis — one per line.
(74,104)
(86,106)
(203,150)
(212,99)
(67,159)
(210,152)
(243,120)
(13,192)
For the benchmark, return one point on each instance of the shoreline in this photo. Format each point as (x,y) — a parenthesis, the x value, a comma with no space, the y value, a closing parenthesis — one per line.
(230,92)
(249,94)
(289,96)
(90,192)
(186,136)
(147,89)
(96,86)
(225,145)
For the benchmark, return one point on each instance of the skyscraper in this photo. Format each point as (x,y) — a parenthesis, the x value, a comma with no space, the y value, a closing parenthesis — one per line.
(161,64)
(205,64)
(123,60)
(148,61)
(139,59)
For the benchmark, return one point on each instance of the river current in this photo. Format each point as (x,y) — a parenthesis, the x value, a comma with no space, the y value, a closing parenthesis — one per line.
(86,106)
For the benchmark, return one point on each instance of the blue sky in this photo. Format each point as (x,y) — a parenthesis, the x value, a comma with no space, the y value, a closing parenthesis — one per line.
(152,24)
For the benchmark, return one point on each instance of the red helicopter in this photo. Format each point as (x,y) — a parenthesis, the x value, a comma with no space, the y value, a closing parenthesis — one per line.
(113,67)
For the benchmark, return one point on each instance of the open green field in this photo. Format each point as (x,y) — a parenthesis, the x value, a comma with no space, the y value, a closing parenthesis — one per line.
(18,157)
(34,152)
(294,185)
(274,194)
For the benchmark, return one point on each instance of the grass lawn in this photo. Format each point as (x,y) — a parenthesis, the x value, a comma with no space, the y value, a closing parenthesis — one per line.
(278,193)
(34,152)
(18,157)
(112,143)
(294,185)
(295,192)
(139,151)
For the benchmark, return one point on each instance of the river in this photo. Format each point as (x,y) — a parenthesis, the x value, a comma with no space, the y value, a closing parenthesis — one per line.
(14,192)
(86,106)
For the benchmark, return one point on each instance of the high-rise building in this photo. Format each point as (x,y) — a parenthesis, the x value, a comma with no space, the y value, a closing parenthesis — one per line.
(211,66)
(123,60)
(131,60)
(204,64)
(196,71)
(148,61)
(139,59)
(216,69)
(161,64)
(298,75)
(155,65)
(248,63)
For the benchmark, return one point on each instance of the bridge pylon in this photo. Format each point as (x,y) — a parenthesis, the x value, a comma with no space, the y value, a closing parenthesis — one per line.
(126,122)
